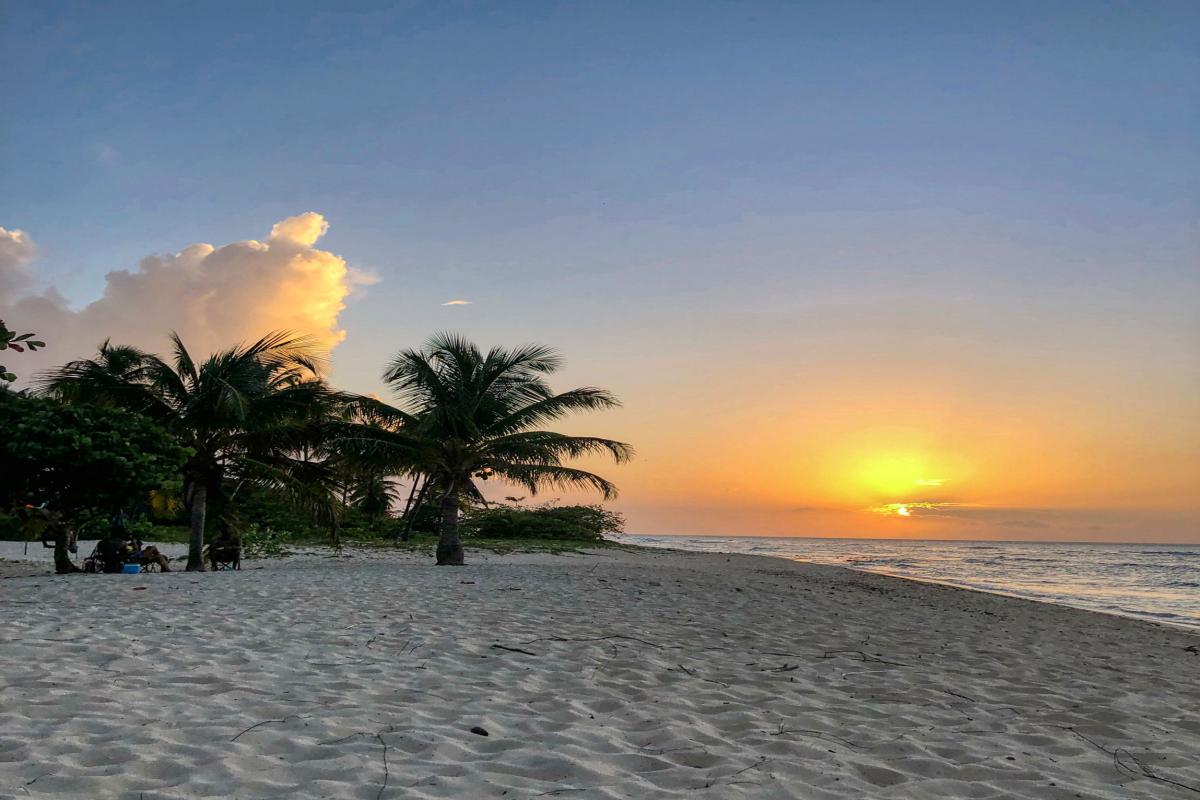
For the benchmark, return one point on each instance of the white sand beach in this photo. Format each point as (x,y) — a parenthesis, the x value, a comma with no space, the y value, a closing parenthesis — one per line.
(606,675)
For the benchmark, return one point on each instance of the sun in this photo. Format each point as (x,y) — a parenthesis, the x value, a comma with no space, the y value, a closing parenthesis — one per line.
(885,468)
(895,474)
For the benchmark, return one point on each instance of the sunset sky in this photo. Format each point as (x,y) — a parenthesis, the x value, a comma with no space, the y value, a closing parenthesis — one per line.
(927,270)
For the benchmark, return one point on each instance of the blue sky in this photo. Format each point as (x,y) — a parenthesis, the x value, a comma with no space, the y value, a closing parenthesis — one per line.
(428,124)
(926,185)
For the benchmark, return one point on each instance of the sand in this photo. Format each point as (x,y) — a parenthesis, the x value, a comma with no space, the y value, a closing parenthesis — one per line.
(627,675)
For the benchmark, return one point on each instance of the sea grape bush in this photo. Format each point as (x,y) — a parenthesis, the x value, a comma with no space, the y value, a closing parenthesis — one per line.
(582,522)
(11,340)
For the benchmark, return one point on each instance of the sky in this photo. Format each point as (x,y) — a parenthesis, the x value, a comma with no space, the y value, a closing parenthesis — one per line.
(925,270)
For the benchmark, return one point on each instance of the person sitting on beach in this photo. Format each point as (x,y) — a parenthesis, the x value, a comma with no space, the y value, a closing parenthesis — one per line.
(226,549)
(112,551)
(147,555)
(118,547)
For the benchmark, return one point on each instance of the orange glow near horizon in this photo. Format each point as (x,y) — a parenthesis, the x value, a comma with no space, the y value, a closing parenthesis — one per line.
(931,462)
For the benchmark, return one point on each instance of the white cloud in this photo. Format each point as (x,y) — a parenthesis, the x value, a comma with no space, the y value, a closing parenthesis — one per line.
(457,303)
(303,229)
(16,251)
(213,296)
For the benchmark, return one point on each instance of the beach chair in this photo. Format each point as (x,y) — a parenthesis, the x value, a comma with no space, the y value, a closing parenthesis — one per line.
(224,556)
(151,559)
(101,560)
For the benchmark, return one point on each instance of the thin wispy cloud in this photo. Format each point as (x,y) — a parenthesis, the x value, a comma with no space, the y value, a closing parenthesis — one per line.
(921,509)
(457,303)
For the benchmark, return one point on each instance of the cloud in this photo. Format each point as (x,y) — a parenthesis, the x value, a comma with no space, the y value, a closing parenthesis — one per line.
(923,509)
(16,251)
(930,481)
(457,303)
(303,229)
(213,296)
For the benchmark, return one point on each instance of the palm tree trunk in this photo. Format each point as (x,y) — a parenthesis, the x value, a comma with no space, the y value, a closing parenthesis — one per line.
(410,514)
(450,549)
(195,561)
(411,494)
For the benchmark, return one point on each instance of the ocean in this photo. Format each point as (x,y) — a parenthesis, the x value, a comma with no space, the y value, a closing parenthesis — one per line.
(1159,582)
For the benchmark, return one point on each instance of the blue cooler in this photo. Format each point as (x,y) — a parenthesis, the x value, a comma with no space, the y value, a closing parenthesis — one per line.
(131,569)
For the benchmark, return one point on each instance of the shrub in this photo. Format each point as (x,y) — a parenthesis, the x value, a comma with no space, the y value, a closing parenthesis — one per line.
(578,523)
(263,543)
(81,461)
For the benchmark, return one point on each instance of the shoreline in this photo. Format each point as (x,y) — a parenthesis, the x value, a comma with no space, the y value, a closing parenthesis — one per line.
(1187,621)
(1185,627)
(610,674)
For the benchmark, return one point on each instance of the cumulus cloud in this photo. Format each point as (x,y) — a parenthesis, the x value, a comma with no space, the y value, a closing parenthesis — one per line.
(303,229)
(16,251)
(212,296)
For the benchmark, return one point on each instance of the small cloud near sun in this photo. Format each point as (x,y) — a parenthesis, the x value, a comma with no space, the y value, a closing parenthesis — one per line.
(930,481)
(916,509)
(457,303)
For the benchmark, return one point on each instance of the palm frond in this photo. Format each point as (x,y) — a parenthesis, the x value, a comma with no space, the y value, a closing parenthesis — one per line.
(549,409)
(533,446)
(536,477)
(185,366)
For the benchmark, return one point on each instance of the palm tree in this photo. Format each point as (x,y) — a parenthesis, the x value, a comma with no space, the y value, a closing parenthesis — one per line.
(464,415)
(245,413)
(374,495)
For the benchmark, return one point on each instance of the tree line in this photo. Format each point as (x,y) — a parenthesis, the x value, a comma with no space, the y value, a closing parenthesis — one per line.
(261,417)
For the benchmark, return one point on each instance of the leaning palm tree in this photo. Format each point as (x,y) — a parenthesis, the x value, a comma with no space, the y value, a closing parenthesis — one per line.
(247,413)
(465,415)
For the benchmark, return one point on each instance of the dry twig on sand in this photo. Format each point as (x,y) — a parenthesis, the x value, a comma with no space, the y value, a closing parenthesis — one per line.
(862,657)
(761,760)
(784,731)
(1121,755)
(386,772)
(597,639)
(377,736)
(259,725)
(692,673)
(566,789)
